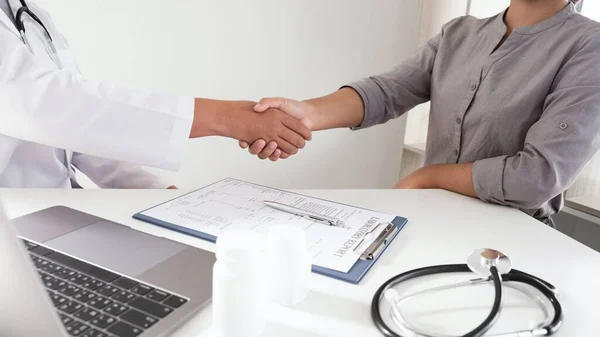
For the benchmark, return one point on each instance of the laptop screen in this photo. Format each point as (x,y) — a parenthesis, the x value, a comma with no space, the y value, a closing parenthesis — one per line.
(24,300)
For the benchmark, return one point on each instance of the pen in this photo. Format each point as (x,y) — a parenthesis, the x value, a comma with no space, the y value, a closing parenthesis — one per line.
(324,219)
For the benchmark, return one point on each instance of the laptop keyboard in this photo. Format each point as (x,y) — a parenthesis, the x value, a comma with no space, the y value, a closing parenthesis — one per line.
(94,302)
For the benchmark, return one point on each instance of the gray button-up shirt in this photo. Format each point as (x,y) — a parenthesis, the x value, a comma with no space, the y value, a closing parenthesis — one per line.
(527,114)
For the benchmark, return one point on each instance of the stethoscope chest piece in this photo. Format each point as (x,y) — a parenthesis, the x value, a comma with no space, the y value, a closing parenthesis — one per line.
(480,261)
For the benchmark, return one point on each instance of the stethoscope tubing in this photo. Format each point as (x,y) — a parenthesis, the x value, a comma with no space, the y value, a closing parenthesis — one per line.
(495,312)
(544,287)
(420,272)
(19,19)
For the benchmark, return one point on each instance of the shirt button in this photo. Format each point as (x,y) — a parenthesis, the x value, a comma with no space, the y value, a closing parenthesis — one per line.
(458,121)
(473,87)
(456,152)
(563,126)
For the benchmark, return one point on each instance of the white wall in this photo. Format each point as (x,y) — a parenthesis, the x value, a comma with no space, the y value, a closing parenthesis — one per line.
(487,8)
(591,9)
(232,49)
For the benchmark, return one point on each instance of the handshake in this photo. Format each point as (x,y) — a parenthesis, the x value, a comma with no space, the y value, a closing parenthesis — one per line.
(274,128)
(300,111)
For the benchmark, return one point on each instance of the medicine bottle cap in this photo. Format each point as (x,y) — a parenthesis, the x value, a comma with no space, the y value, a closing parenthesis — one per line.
(287,239)
(239,246)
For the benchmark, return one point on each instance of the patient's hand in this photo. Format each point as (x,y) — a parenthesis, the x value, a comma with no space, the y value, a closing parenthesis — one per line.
(302,111)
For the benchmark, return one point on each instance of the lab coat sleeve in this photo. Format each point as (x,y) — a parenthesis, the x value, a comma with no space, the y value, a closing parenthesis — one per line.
(107,173)
(63,109)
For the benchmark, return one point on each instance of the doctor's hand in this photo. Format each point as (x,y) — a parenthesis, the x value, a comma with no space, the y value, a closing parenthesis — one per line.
(301,111)
(238,120)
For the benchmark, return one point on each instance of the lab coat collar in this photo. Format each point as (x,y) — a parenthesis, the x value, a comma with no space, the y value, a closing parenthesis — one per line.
(14,6)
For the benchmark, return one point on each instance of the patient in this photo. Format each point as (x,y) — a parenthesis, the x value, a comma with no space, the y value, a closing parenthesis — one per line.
(515,105)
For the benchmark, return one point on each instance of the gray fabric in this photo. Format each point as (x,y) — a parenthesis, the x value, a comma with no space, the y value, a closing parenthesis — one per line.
(527,114)
(6,9)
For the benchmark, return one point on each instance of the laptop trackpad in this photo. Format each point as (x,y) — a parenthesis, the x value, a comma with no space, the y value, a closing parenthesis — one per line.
(116,247)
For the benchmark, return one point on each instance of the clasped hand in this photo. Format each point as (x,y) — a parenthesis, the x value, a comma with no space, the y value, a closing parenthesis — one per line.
(274,149)
(239,120)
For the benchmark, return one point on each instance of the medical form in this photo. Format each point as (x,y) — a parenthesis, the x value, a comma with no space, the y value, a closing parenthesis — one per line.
(235,204)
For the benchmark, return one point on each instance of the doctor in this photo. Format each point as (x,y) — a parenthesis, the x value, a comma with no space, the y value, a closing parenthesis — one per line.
(53,119)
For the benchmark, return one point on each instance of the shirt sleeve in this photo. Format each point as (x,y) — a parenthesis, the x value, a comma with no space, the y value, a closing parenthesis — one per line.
(558,145)
(392,94)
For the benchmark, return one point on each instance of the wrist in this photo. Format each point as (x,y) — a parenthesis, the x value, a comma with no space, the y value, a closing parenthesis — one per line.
(438,175)
(210,118)
(314,115)
(343,108)
(431,176)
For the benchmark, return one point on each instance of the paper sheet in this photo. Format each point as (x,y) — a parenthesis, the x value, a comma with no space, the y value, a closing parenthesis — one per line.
(232,203)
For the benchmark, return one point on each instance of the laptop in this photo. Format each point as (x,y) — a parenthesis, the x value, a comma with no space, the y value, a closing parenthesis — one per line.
(69,273)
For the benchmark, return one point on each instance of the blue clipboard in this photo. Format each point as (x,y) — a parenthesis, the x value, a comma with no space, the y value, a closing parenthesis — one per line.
(354,275)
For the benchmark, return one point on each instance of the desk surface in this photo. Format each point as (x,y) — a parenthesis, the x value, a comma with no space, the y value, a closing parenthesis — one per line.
(443,228)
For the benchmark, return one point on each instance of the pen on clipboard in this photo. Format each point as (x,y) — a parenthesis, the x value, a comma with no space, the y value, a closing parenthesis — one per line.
(324,219)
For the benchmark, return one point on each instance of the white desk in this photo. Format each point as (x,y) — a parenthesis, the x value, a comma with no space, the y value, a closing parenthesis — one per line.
(443,228)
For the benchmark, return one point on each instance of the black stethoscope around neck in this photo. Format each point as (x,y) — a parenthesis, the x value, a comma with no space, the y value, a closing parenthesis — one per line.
(493,266)
(20,21)
(22,15)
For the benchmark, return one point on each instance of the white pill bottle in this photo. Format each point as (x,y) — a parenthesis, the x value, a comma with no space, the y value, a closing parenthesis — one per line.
(288,265)
(239,301)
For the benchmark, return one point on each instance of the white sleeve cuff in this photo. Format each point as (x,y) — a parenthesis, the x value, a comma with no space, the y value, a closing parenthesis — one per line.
(180,134)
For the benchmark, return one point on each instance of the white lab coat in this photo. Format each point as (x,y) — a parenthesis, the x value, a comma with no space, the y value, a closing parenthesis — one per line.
(106,129)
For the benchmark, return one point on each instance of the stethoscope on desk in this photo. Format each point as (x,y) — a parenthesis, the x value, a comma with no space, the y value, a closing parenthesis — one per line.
(493,266)
(21,16)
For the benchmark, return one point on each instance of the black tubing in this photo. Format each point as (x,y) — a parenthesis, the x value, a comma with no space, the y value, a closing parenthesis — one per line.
(495,312)
(515,276)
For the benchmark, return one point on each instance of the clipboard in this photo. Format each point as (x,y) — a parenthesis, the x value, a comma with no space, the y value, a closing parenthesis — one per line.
(376,247)
(369,257)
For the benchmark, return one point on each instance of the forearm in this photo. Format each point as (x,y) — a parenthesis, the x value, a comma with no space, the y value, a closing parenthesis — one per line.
(238,120)
(386,96)
(211,118)
(451,177)
(341,109)
(457,178)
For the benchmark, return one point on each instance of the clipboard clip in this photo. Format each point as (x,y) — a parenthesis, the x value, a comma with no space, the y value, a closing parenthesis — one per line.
(380,241)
